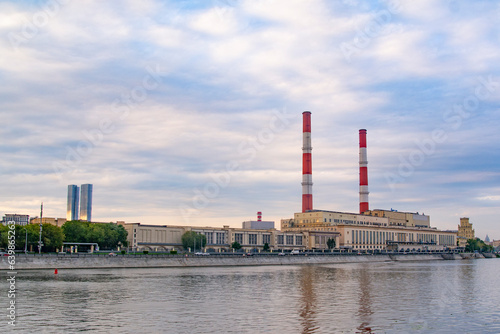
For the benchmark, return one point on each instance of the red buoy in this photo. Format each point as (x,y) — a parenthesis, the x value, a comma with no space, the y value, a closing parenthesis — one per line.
(55,272)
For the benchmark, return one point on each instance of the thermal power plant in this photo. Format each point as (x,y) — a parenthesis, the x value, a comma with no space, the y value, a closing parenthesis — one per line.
(307,199)
(73,200)
(363,173)
(86,202)
(366,231)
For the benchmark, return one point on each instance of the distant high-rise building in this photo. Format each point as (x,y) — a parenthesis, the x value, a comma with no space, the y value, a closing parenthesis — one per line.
(73,200)
(86,202)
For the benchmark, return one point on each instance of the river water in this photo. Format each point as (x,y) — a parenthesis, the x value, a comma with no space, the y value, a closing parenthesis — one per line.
(388,297)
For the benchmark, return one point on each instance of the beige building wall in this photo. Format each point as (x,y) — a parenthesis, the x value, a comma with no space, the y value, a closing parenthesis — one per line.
(375,230)
(59,222)
(153,237)
(396,218)
(323,218)
(372,237)
(465,231)
(165,238)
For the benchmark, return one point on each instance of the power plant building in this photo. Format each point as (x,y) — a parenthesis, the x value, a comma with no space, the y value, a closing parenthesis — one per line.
(312,229)
(219,239)
(366,230)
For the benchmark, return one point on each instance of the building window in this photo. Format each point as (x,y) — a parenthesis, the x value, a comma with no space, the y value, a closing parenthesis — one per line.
(210,237)
(266,239)
(252,239)
(238,237)
(219,238)
(298,240)
(289,239)
(280,240)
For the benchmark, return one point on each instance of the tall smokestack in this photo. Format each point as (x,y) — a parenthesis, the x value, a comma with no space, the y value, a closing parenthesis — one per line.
(307,197)
(363,173)
(259,216)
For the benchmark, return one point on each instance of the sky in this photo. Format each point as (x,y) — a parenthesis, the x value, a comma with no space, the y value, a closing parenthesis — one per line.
(190,112)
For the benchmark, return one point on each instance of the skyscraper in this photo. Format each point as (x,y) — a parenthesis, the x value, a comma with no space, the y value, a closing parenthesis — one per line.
(86,202)
(73,200)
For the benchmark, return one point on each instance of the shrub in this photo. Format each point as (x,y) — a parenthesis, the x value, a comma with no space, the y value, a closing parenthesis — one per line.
(145,252)
(123,252)
(173,252)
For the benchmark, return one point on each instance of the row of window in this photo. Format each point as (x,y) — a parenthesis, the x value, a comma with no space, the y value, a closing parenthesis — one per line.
(339,221)
(220,238)
(266,238)
(377,237)
(371,237)
(447,240)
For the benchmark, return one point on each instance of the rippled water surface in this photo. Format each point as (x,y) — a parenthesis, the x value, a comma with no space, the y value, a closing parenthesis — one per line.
(417,297)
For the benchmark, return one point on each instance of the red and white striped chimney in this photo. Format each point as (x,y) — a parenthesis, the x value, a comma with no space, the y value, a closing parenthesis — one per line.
(307,197)
(259,216)
(363,173)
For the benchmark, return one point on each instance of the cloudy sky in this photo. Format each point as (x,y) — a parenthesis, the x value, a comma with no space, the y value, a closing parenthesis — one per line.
(189,112)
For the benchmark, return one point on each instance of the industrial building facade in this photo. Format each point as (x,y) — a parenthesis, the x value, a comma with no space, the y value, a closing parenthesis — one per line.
(374,230)
(370,230)
(219,239)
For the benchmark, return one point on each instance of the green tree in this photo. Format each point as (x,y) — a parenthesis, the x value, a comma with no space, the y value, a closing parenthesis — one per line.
(3,236)
(52,237)
(330,243)
(193,240)
(33,236)
(266,247)
(477,245)
(107,236)
(76,231)
(236,245)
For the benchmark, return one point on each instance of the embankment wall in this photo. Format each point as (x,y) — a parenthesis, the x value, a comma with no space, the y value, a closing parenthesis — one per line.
(143,261)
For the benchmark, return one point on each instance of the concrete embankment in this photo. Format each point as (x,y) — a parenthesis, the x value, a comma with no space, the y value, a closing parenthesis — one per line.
(142,261)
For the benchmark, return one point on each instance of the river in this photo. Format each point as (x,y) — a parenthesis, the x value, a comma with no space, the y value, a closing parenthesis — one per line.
(388,297)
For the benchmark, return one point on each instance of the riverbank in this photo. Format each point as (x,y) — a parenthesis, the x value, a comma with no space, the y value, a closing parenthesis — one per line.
(83,261)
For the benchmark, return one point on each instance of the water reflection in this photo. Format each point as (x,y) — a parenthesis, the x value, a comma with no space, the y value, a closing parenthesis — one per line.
(308,300)
(365,302)
(444,297)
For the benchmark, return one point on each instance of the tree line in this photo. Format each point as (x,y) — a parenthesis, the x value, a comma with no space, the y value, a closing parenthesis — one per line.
(107,236)
(478,245)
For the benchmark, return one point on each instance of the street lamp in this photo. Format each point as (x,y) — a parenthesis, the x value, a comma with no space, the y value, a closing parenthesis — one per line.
(40,240)
(26,241)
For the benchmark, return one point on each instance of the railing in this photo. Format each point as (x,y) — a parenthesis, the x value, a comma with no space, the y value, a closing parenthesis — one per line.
(232,255)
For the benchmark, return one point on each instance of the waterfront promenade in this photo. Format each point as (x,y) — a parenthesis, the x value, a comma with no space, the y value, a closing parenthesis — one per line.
(82,261)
